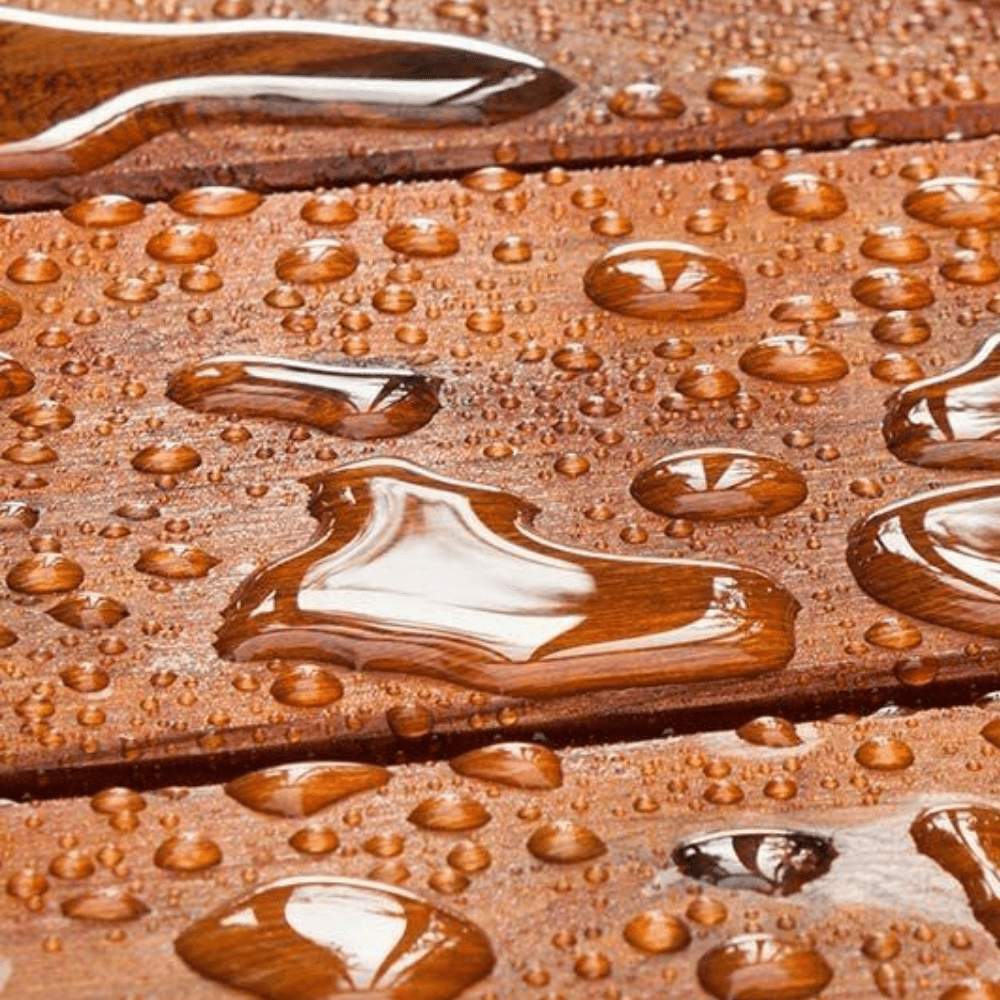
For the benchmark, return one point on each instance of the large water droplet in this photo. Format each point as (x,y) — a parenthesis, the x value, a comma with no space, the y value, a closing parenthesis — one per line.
(664,280)
(749,88)
(657,932)
(774,862)
(175,561)
(352,400)
(216,202)
(449,814)
(806,196)
(890,289)
(950,420)
(762,967)
(45,573)
(422,238)
(935,556)
(955,202)
(105,211)
(316,937)
(112,905)
(15,379)
(965,841)
(182,244)
(565,842)
(299,790)
(645,101)
(411,572)
(718,484)
(10,311)
(519,765)
(89,611)
(316,262)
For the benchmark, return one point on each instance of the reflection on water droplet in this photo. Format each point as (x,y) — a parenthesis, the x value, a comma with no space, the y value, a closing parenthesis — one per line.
(299,790)
(216,202)
(175,561)
(792,358)
(34,268)
(565,842)
(956,203)
(519,765)
(749,88)
(315,937)
(664,280)
(316,262)
(328,209)
(440,554)
(105,211)
(769,731)
(166,459)
(449,813)
(935,556)
(762,967)
(15,379)
(306,685)
(45,573)
(950,420)
(422,238)
(187,852)
(89,611)
(182,244)
(808,197)
(645,101)
(773,862)
(718,484)
(804,309)
(107,905)
(965,841)
(891,289)
(352,400)
(895,245)
(657,932)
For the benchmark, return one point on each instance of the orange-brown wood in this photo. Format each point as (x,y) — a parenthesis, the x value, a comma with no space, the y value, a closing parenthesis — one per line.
(148,526)
(817,857)
(690,80)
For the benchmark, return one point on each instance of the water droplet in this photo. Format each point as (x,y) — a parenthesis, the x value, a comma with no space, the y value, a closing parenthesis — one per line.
(353,400)
(769,731)
(316,262)
(34,268)
(891,633)
(112,905)
(972,989)
(519,765)
(300,790)
(970,267)
(965,841)
(956,203)
(10,311)
(645,101)
(187,852)
(43,415)
(89,611)
(891,289)
(111,801)
(792,358)
(884,753)
(896,368)
(657,932)
(565,842)
(175,561)
(181,244)
(492,180)
(422,238)
(45,573)
(718,484)
(166,459)
(440,554)
(758,966)
(773,862)
(105,211)
(706,382)
(314,840)
(895,245)
(469,857)
(804,309)
(200,279)
(16,515)
(328,209)
(806,196)
(749,88)
(315,937)
(216,202)
(950,420)
(512,250)
(664,280)
(15,379)
(449,814)
(904,329)
(306,685)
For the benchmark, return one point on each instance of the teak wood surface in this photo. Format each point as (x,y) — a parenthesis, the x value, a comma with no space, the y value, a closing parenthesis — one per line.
(548,401)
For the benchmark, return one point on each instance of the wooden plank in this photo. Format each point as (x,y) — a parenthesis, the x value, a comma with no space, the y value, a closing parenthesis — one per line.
(565,428)
(840,73)
(574,889)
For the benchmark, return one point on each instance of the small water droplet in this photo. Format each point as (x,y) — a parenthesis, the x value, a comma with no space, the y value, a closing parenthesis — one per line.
(328,209)
(34,268)
(449,814)
(664,280)
(182,244)
(15,379)
(89,611)
(307,685)
(565,842)
(175,561)
(187,852)
(111,905)
(166,458)
(749,88)
(891,633)
(300,790)
(891,289)
(645,101)
(769,731)
(808,197)
(657,932)
(519,765)
(316,262)
(884,753)
(792,358)
(422,238)
(216,202)
(105,211)
(10,311)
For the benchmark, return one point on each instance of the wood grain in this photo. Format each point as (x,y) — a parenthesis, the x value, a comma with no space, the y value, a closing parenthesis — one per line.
(915,72)
(525,409)
(884,916)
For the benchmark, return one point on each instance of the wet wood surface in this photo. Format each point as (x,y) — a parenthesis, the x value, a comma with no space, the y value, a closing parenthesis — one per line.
(649,81)
(603,858)
(135,521)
